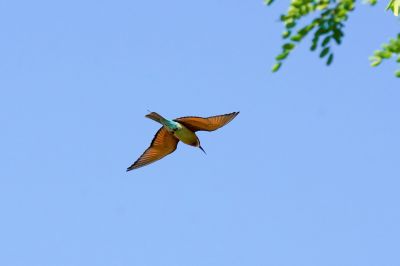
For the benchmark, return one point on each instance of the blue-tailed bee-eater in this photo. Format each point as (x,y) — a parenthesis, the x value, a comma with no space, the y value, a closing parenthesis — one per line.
(180,129)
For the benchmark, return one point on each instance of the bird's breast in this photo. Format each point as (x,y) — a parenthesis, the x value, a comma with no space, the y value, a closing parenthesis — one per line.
(186,136)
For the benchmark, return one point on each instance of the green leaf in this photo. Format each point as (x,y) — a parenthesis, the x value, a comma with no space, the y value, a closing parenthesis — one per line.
(323,5)
(375,63)
(385,54)
(297,4)
(313,47)
(288,46)
(276,67)
(319,32)
(296,38)
(394,5)
(375,60)
(290,25)
(326,41)
(303,31)
(324,52)
(268,2)
(315,40)
(285,34)
(337,35)
(371,2)
(377,52)
(282,56)
(397,73)
(330,59)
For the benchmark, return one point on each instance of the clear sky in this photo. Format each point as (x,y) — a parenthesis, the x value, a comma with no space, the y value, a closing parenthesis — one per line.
(307,174)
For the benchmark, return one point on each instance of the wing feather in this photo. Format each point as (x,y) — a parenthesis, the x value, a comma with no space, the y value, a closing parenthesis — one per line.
(162,144)
(211,123)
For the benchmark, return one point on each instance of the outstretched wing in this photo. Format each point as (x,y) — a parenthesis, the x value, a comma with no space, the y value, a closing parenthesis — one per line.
(211,123)
(162,144)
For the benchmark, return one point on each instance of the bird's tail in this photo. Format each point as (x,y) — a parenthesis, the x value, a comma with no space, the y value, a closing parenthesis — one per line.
(156,117)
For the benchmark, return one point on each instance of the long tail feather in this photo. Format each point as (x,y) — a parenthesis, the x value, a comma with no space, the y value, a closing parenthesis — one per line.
(156,117)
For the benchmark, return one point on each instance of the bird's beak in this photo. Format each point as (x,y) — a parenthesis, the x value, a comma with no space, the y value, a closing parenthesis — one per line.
(201,148)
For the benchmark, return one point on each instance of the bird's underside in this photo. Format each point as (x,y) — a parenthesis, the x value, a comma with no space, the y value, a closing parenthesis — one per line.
(167,137)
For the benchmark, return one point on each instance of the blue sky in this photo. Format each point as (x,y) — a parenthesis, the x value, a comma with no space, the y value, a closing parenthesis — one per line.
(307,174)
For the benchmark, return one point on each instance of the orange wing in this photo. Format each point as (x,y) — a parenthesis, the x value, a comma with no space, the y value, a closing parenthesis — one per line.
(211,123)
(162,144)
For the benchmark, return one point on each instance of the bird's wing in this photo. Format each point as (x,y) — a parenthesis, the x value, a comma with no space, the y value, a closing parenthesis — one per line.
(211,123)
(162,144)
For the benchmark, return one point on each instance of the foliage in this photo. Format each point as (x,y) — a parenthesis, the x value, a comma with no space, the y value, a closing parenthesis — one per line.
(388,50)
(326,28)
(394,5)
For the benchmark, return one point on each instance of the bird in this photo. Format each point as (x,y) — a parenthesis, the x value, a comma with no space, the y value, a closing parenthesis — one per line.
(182,129)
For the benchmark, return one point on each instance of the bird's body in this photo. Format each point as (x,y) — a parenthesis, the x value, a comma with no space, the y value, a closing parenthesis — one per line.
(180,129)
(186,136)
(177,129)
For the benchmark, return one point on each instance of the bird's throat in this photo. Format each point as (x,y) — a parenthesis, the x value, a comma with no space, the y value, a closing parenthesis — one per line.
(186,135)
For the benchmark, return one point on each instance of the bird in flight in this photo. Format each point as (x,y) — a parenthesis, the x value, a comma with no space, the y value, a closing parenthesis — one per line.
(180,129)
